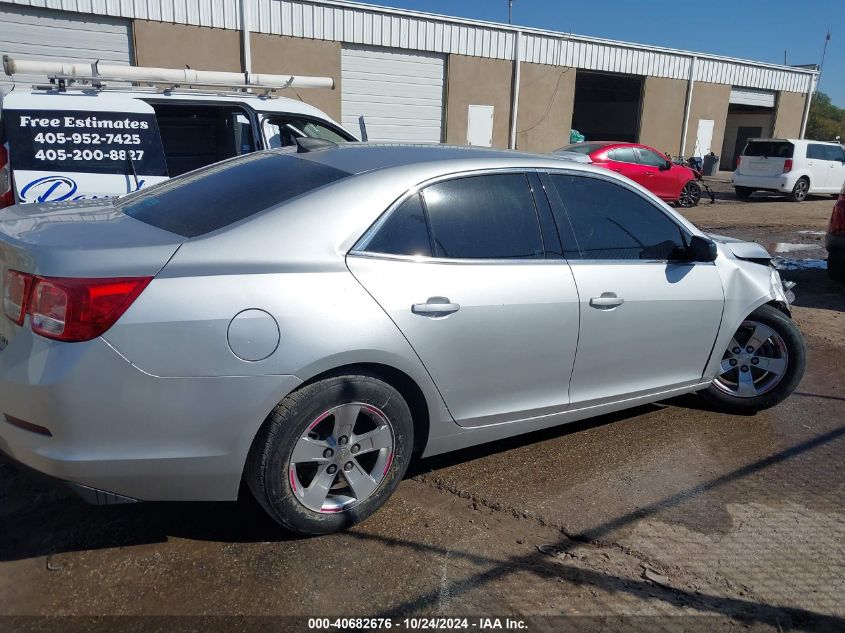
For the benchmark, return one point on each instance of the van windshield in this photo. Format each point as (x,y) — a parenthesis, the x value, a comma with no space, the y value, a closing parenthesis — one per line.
(769,149)
(216,196)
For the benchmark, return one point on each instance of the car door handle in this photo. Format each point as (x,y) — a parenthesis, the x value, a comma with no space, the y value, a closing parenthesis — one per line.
(649,173)
(435,306)
(606,300)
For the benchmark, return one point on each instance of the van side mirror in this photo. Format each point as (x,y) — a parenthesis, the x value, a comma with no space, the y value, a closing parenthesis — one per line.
(701,249)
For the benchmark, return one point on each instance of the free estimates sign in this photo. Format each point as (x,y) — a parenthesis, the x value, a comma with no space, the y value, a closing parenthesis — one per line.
(71,151)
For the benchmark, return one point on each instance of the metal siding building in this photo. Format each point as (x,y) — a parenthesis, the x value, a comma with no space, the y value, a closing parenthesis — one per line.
(413,56)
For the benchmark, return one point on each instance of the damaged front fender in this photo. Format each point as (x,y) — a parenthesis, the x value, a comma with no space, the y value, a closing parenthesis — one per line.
(747,285)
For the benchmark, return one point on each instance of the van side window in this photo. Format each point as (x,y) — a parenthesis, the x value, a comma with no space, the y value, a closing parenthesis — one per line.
(196,135)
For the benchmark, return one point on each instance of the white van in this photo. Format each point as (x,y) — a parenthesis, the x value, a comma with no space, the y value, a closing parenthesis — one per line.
(66,141)
(797,167)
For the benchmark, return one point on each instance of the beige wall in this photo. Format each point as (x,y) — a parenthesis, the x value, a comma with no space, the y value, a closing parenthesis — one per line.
(790,112)
(709,101)
(546,99)
(282,55)
(662,119)
(164,45)
(477,81)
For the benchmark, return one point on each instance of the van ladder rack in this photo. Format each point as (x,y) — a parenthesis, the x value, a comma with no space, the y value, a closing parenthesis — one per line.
(63,83)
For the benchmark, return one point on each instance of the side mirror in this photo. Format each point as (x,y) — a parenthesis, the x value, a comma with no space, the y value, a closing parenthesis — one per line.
(666,166)
(701,249)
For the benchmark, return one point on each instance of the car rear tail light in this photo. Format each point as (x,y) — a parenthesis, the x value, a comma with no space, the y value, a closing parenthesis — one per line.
(738,161)
(7,193)
(837,218)
(16,294)
(787,165)
(81,309)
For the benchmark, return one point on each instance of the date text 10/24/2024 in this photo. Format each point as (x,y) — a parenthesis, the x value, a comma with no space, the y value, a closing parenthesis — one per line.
(418,624)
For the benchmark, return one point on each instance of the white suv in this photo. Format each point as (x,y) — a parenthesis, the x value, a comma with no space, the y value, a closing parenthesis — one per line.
(796,167)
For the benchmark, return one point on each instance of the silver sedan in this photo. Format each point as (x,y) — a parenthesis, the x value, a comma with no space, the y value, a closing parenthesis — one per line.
(308,322)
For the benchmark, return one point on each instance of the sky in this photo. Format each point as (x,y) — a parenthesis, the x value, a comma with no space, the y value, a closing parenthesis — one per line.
(759,30)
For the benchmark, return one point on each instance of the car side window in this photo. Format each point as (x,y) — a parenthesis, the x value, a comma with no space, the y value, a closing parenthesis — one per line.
(814,150)
(652,159)
(403,232)
(610,222)
(623,155)
(484,217)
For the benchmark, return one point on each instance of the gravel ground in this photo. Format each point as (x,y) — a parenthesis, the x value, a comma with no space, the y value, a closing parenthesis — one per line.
(667,513)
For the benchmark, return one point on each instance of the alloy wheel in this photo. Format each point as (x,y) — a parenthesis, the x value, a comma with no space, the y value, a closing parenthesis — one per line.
(801,189)
(690,195)
(342,457)
(754,362)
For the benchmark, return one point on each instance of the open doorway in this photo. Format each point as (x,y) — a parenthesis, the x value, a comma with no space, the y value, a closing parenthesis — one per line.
(607,106)
(744,122)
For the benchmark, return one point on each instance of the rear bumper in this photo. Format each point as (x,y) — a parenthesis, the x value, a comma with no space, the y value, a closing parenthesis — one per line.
(781,182)
(117,429)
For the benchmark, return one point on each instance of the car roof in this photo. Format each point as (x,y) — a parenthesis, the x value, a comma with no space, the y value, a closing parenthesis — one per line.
(30,98)
(358,158)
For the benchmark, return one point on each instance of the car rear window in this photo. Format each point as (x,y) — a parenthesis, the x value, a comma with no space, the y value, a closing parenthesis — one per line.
(769,149)
(216,196)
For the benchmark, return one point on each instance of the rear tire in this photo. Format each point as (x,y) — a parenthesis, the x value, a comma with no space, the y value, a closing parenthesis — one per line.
(751,381)
(836,266)
(331,454)
(800,190)
(743,193)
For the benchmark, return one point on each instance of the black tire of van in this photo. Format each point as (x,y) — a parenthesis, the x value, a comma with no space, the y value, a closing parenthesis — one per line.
(800,190)
(743,193)
(836,266)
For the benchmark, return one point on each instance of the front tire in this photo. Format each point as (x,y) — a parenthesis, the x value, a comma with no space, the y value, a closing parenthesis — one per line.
(690,195)
(800,190)
(762,365)
(331,454)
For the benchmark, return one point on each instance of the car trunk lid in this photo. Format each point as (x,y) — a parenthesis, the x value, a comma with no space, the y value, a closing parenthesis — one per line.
(82,239)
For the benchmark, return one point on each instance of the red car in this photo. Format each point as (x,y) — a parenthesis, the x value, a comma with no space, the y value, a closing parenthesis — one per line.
(642,164)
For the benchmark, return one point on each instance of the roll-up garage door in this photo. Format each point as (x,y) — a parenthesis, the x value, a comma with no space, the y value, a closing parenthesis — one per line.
(33,33)
(753,97)
(392,95)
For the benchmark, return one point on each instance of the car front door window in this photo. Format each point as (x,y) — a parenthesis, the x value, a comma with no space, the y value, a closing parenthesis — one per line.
(609,222)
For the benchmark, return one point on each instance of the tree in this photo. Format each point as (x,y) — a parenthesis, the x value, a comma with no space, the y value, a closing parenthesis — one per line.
(826,121)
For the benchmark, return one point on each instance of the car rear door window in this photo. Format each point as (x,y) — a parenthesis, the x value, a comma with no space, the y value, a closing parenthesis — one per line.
(484,217)
(403,232)
(610,222)
(623,155)
(816,151)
